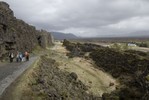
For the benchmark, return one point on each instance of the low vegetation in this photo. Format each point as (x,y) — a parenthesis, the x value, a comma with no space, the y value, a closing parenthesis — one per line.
(52,84)
(143,44)
(120,47)
(129,66)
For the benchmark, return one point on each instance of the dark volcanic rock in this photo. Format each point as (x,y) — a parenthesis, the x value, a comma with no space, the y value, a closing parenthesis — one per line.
(54,84)
(16,35)
(130,67)
(73,76)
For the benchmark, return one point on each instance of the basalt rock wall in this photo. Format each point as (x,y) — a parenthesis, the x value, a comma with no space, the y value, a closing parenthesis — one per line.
(17,35)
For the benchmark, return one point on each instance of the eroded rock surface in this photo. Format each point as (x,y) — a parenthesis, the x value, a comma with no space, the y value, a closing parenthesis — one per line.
(16,35)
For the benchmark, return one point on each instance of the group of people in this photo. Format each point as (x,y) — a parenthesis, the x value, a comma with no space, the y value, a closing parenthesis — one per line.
(19,56)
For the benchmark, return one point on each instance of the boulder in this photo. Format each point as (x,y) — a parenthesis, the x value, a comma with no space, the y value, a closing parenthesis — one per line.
(73,76)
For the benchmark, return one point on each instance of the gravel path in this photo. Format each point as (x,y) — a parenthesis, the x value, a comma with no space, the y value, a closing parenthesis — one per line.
(9,72)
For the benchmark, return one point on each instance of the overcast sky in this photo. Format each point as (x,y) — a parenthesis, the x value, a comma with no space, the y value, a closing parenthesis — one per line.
(85,17)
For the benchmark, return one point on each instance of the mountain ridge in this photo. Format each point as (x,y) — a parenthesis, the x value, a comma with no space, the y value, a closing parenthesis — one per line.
(61,36)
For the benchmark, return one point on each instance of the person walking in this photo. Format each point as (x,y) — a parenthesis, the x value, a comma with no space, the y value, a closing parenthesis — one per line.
(20,56)
(11,56)
(27,56)
(17,57)
(23,56)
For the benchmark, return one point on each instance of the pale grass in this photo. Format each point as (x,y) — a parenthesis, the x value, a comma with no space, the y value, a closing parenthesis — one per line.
(96,80)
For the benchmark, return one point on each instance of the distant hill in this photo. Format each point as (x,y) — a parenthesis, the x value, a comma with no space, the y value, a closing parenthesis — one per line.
(139,34)
(61,36)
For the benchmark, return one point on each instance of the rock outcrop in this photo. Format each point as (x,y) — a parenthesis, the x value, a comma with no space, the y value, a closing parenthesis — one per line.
(16,35)
(45,39)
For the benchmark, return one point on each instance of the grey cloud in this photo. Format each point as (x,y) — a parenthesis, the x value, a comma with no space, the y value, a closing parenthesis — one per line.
(84,17)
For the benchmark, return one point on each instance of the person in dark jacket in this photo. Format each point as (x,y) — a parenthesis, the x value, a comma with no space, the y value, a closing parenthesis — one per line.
(11,56)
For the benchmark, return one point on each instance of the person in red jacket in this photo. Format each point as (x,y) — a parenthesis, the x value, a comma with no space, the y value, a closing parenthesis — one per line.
(27,56)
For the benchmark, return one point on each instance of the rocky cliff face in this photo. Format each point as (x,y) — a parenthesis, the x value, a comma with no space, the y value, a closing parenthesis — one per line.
(16,35)
(45,39)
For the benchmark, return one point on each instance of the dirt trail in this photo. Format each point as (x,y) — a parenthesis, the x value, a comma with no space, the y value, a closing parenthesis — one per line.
(97,80)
